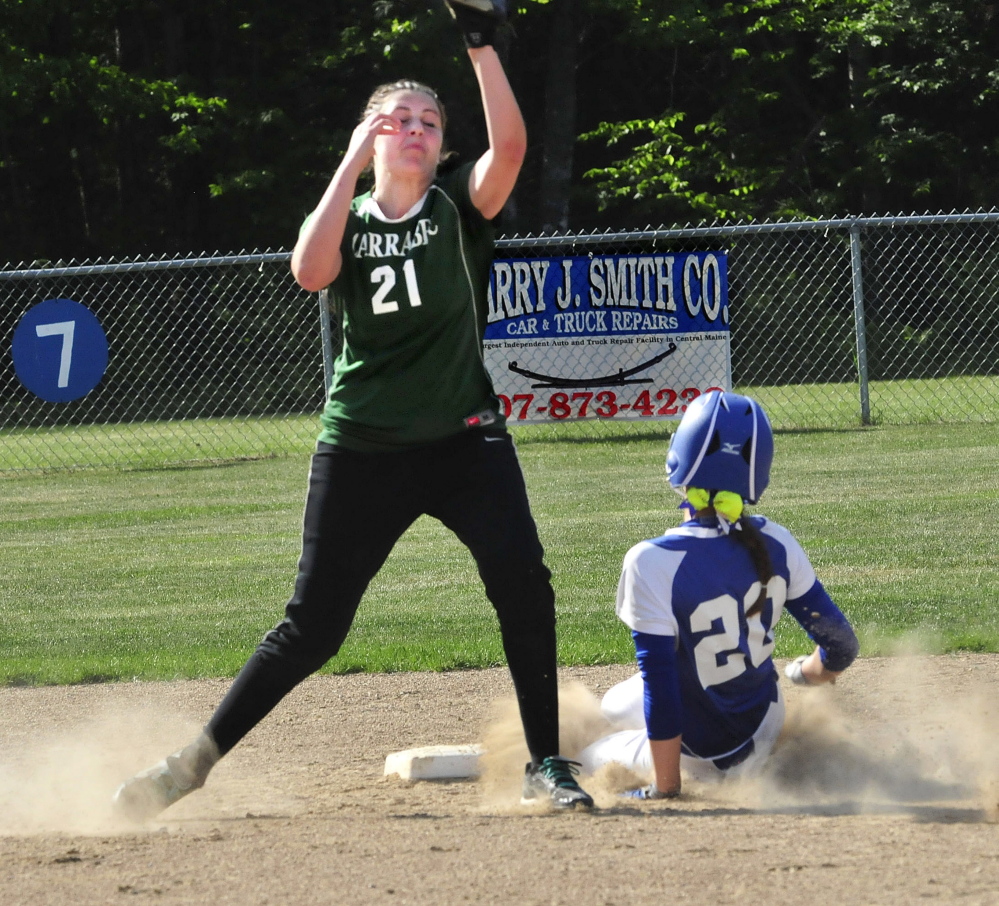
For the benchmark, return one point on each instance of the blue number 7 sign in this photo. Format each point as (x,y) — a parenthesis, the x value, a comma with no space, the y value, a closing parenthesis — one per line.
(60,351)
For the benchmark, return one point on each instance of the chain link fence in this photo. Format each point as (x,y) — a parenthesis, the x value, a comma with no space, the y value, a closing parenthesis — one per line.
(832,324)
(210,359)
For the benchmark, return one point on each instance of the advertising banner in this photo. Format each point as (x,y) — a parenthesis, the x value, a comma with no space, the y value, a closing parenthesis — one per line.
(607,336)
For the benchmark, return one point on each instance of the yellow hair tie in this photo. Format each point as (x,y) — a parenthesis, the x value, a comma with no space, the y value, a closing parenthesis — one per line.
(700,498)
(727,503)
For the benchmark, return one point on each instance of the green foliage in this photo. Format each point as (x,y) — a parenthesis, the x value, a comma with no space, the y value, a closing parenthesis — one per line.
(817,109)
(132,127)
(668,170)
(86,133)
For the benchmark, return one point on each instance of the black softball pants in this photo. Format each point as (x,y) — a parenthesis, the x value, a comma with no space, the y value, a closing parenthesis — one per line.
(358,506)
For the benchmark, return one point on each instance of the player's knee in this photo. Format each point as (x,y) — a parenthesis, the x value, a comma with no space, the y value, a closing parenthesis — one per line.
(506,578)
(305,650)
(523,598)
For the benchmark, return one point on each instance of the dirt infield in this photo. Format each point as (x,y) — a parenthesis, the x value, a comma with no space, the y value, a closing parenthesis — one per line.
(883,791)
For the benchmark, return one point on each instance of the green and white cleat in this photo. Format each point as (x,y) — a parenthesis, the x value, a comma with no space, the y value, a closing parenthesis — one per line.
(554,782)
(149,793)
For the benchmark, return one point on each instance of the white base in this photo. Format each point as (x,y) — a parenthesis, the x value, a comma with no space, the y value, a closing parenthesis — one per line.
(435,763)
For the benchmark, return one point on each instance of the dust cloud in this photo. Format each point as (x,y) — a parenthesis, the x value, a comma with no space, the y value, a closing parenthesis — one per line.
(62,780)
(899,731)
(921,743)
(580,723)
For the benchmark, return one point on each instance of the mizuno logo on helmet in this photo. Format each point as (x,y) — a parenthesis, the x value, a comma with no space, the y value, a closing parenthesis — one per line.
(734,449)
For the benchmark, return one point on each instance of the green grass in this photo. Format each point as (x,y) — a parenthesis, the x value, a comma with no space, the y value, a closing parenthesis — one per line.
(912,402)
(179,572)
(150,445)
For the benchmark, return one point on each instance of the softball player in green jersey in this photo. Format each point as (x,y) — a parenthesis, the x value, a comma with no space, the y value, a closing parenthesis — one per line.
(411,297)
(411,425)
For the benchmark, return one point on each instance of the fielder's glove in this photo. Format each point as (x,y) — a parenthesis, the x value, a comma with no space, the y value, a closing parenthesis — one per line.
(478,19)
(651,792)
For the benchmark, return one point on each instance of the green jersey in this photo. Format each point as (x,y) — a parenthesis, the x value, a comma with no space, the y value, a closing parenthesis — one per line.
(411,298)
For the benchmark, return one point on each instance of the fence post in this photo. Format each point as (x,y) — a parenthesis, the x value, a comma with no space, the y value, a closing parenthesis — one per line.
(327,338)
(858,320)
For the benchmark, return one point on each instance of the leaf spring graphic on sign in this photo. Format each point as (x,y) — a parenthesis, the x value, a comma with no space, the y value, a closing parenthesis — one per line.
(613,380)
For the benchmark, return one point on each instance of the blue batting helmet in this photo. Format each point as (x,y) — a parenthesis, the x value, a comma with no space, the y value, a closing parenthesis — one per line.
(723,443)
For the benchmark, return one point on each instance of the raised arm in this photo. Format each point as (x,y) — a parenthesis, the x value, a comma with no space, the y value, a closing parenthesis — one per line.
(316,260)
(495,173)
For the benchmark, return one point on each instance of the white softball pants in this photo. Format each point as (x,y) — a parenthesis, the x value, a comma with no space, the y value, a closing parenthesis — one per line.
(624,706)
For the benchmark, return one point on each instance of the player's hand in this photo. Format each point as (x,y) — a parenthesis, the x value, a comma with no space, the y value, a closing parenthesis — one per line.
(651,792)
(808,670)
(362,141)
(793,672)
(477,19)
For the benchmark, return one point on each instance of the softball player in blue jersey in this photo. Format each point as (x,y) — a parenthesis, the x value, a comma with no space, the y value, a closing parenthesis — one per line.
(702,602)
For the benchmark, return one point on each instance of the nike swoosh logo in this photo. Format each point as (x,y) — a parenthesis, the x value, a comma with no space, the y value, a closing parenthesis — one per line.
(488,437)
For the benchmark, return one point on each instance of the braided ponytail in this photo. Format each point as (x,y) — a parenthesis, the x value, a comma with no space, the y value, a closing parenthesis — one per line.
(751,538)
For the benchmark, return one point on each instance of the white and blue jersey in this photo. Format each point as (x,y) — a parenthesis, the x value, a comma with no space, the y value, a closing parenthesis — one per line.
(707,666)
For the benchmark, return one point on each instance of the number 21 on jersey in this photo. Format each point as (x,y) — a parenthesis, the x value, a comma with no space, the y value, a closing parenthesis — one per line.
(385,279)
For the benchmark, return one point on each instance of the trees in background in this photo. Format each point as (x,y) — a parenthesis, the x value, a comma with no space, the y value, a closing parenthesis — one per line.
(813,108)
(134,127)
